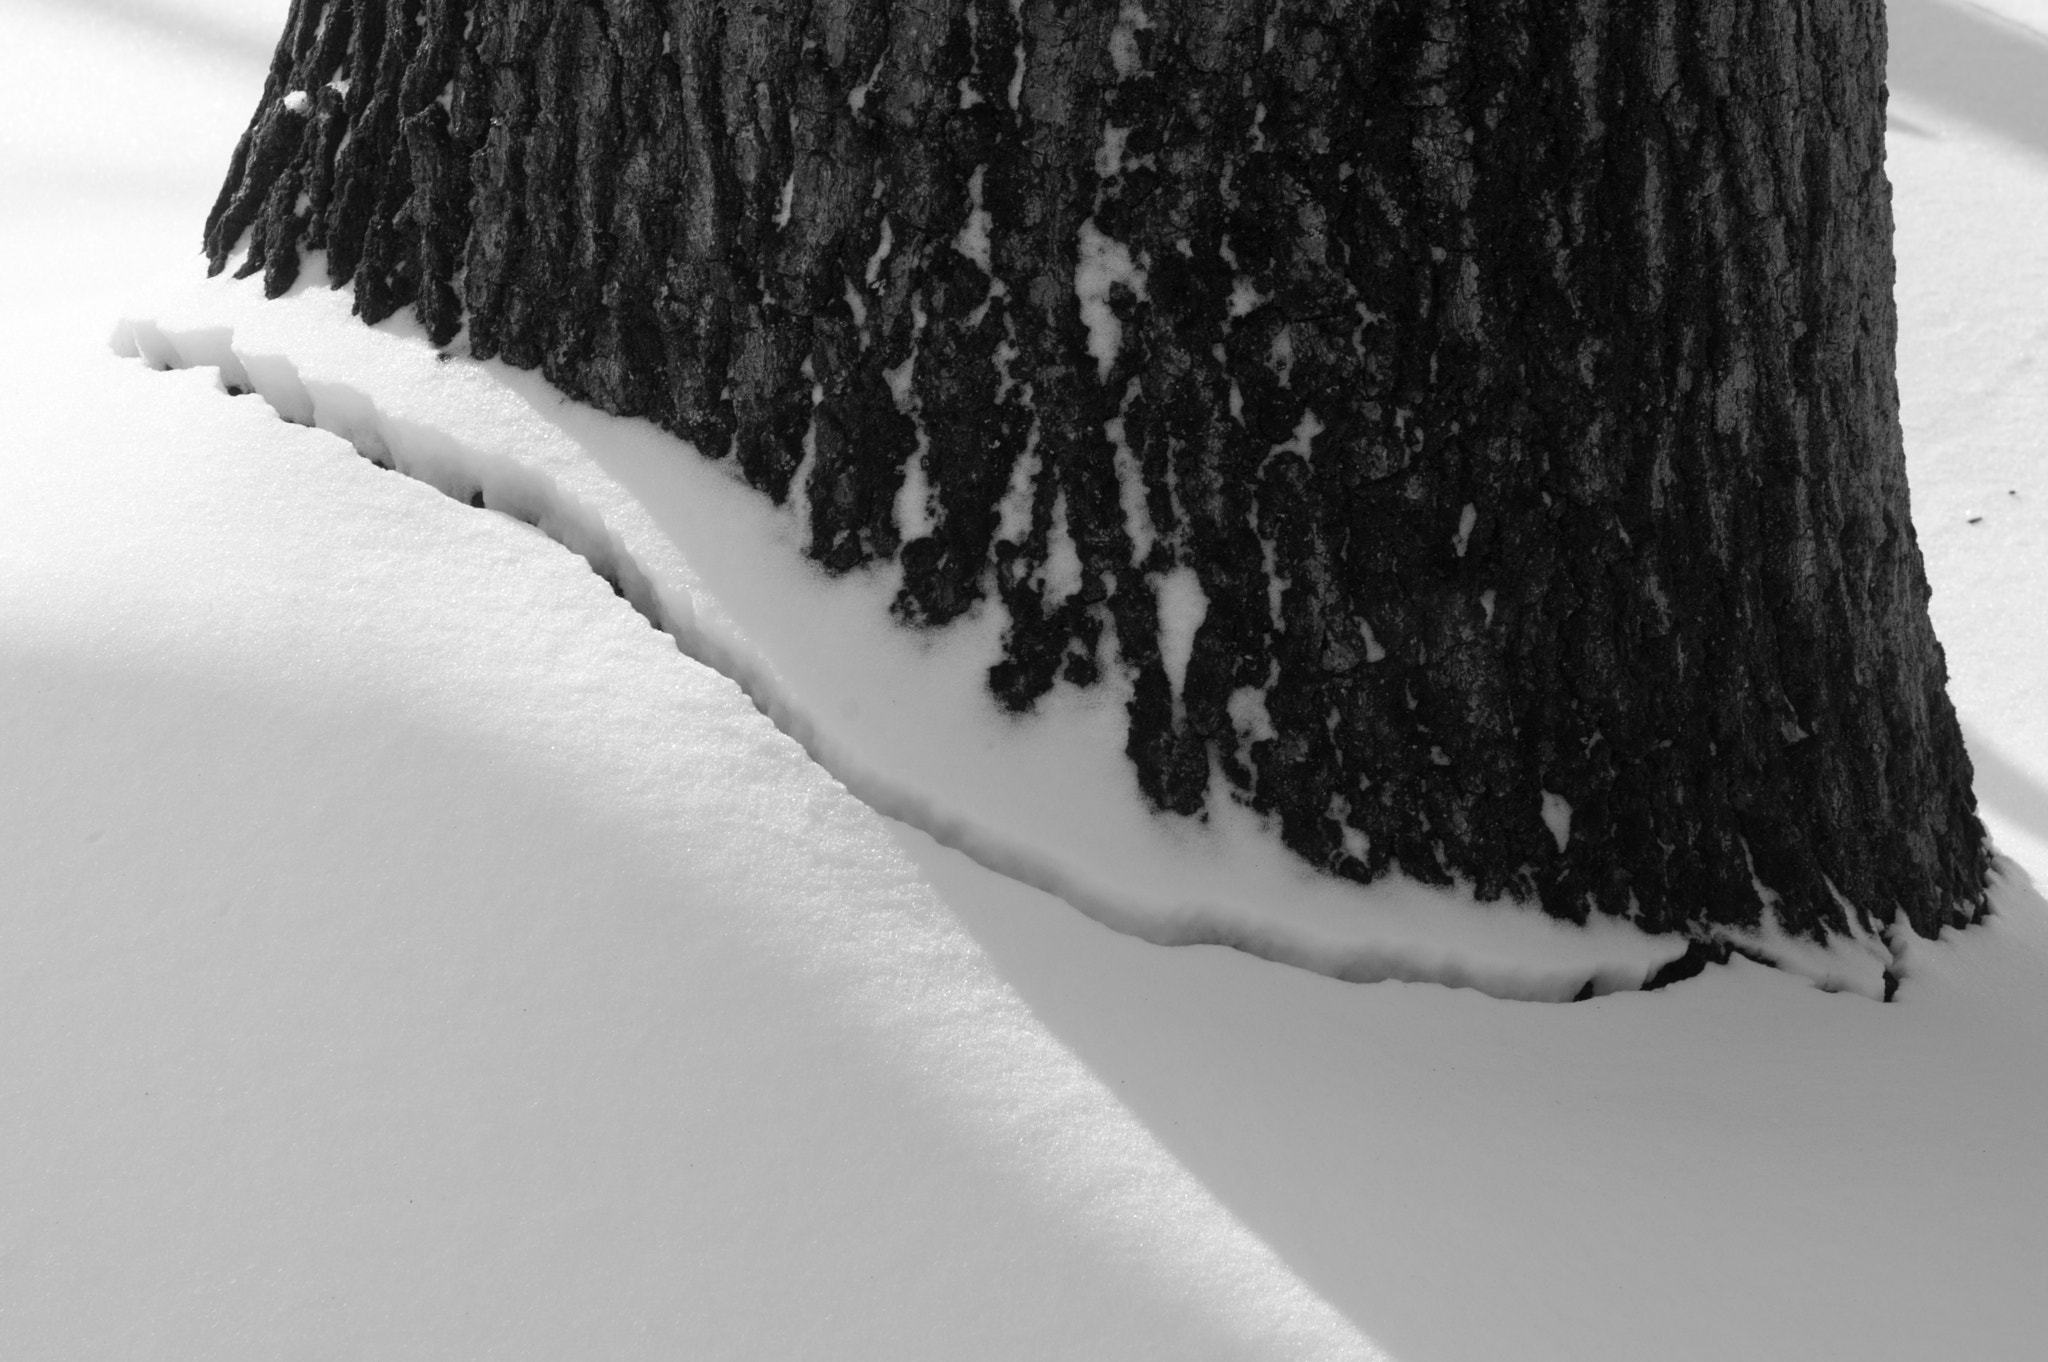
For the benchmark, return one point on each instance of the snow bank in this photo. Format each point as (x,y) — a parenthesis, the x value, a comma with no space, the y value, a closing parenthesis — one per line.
(901,718)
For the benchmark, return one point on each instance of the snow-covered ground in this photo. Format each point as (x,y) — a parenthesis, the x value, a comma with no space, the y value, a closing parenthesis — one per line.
(408,952)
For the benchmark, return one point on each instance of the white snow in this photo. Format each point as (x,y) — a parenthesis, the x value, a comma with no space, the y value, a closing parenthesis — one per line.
(1247,706)
(857,97)
(1373,651)
(1109,157)
(1102,264)
(914,519)
(883,246)
(1245,297)
(1061,575)
(899,377)
(1014,512)
(1183,605)
(408,947)
(973,238)
(1557,816)
(1131,20)
(1303,441)
(1280,355)
(1130,478)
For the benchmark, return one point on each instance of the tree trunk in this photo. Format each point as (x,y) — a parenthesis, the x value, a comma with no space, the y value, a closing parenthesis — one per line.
(1506,387)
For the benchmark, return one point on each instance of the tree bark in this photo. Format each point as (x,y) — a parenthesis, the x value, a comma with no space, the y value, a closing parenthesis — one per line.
(1508,385)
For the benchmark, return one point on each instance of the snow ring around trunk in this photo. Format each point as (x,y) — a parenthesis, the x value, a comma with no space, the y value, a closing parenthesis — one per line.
(902,719)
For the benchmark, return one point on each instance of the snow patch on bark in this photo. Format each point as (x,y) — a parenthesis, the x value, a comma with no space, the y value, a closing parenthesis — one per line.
(1374,652)
(1557,816)
(1131,20)
(1183,605)
(886,244)
(857,97)
(800,480)
(1014,512)
(973,238)
(1280,356)
(1109,157)
(858,306)
(1130,477)
(914,519)
(1016,90)
(1104,265)
(1062,574)
(1303,441)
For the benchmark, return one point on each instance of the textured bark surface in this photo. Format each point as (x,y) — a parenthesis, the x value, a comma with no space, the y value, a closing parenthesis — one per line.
(1516,379)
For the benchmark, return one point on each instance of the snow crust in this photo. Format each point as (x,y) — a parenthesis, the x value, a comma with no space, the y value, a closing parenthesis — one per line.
(903,720)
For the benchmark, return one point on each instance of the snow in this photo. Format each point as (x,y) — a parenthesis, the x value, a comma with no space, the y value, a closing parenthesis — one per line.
(1374,652)
(1468,517)
(1062,573)
(1303,440)
(881,255)
(1014,523)
(1130,476)
(409,947)
(972,240)
(914,518)
(1103,264)
(1109,157)
(1131,20)
(1183,605)
(1557,816)
(1245,297)
(857,97)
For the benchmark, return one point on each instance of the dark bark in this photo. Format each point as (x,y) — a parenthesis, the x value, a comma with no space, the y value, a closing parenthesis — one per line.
(1517,379)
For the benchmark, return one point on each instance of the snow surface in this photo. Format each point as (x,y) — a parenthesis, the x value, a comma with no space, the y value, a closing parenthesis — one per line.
(410,952)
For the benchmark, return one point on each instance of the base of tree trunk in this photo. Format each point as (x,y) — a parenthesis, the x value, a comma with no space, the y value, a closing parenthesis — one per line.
(1508,395)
